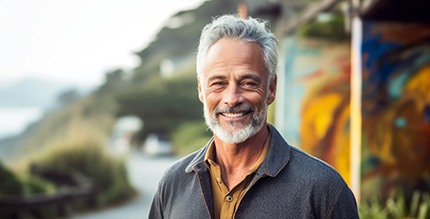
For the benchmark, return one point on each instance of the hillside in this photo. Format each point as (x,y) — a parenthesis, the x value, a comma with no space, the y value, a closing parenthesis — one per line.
(163,104)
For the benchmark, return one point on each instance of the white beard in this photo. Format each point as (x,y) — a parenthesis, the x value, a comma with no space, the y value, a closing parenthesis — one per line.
(233,134)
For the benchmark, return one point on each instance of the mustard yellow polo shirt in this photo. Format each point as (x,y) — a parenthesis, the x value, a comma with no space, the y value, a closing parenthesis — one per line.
(225,201)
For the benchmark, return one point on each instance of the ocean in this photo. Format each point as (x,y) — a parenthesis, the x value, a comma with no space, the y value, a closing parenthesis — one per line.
(14,120)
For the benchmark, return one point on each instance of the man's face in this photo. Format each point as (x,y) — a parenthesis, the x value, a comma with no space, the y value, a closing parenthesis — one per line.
(234,89)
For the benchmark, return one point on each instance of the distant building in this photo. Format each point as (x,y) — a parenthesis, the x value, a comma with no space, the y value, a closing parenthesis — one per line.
(157,145)
(122,134)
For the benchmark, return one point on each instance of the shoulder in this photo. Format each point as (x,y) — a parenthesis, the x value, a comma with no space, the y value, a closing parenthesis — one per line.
(314,168)
(297,165)
(323,183)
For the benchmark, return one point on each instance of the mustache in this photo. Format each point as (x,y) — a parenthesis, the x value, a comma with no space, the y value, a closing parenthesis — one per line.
(239,108)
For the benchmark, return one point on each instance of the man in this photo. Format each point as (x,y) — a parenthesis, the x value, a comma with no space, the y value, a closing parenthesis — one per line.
(247,170)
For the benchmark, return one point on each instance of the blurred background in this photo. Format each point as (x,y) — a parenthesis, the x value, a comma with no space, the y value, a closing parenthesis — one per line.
(98,98)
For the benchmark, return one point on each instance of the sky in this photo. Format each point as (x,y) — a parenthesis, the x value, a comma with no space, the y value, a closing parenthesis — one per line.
(77,41)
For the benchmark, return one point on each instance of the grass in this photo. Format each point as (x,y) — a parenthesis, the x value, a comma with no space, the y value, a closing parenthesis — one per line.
(397,207)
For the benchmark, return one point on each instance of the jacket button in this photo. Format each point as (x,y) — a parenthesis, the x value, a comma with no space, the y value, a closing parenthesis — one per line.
(229,198)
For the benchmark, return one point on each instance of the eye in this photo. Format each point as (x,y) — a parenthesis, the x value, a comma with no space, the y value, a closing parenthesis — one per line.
(217,84)
(249,84)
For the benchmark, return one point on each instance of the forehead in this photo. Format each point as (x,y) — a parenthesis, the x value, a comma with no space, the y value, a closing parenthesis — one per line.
(234,56)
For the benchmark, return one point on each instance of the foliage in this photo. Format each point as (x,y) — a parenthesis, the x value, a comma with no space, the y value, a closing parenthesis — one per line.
(397,206)
(36,185)
(9,182)
(330,28)
(12,184)
(163,104)
(190,136)
(83,153)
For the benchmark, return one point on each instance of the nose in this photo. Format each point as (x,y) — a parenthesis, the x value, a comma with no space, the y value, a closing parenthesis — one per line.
(232,96)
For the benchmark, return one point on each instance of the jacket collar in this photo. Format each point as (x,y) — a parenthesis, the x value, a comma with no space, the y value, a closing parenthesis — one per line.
(276,159)
(198,162)
(278,155)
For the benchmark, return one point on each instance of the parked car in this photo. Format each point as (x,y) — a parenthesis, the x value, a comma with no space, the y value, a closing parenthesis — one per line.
(157,145)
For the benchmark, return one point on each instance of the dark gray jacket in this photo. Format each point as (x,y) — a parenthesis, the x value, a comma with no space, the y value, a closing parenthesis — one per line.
(288,184)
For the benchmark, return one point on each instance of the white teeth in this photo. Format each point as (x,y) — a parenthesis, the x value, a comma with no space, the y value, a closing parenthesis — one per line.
(233,115)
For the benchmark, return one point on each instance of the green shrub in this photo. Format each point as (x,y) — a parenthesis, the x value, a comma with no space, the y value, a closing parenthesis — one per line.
(190,136)
(13,184)
(9,182)
(36,185)
(331,28)
(87,156)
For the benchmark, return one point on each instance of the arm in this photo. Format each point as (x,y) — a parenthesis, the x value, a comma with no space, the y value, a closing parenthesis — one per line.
(346,206)
(155,211)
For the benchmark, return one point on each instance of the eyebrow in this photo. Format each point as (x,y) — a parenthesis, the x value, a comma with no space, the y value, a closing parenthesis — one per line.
(216,77)
(242,77)
(250,76)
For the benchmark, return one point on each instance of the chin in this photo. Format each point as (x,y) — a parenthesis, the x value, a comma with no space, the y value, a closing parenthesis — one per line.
(237,135)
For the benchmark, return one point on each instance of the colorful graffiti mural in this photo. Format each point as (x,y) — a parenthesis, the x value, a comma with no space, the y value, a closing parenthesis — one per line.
(317,96)
(396,108)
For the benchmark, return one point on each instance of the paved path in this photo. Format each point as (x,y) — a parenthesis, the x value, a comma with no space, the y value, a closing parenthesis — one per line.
(145,173)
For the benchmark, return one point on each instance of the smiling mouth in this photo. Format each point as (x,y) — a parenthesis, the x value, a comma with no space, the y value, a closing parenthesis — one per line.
(235,114)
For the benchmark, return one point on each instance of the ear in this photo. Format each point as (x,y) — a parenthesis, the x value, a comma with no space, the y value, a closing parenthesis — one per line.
(272,90)
(199,89)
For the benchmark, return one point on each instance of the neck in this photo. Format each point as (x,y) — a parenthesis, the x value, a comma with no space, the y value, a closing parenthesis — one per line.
(235,160)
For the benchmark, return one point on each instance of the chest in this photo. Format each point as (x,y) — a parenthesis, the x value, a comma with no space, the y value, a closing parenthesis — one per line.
(260,201)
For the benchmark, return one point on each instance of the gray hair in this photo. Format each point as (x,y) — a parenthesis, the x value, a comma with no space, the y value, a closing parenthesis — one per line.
(250,30)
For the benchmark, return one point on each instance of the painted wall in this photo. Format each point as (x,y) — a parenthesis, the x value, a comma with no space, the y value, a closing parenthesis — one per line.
(395,108)
(312,108)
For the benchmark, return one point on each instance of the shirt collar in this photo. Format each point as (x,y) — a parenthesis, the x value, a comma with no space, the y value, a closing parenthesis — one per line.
(209,158)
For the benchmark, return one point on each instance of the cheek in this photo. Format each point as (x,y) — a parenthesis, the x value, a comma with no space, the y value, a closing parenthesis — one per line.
(261,96)
(257,99)
(210,100)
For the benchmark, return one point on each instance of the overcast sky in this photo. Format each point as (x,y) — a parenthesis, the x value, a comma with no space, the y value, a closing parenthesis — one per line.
(77,41)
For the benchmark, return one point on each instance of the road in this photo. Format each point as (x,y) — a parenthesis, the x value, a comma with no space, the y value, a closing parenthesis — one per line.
(145,173)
